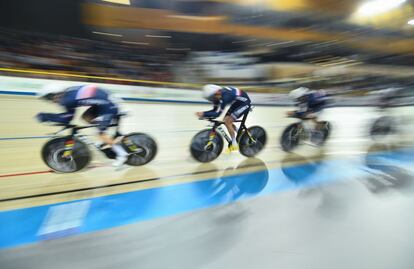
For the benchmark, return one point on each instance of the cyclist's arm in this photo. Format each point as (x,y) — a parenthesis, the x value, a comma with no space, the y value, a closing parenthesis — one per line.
(225,100)
(302,110)
(64,117)
(215,112)
(316,105)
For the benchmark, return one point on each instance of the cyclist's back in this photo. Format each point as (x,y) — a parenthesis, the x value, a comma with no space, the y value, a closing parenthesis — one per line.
(232,94)
(88,95)
(316,100)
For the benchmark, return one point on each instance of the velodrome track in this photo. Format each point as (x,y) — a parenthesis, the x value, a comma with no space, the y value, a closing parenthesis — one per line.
(315,208)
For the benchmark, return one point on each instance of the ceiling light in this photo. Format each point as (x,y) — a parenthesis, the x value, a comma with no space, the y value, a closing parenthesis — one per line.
(244,41)
(135,43)
(122,2)
(159,36)
(375,7)
(109,34)
(178,49)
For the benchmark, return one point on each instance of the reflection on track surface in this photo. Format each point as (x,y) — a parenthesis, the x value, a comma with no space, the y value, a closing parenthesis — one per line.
(250,177)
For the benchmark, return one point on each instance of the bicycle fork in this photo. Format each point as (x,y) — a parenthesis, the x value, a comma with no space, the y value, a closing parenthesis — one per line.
(211,137)
(69,144)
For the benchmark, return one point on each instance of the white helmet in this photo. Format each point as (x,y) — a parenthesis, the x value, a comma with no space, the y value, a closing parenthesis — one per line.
(210,90)
(50,90)
(298,93)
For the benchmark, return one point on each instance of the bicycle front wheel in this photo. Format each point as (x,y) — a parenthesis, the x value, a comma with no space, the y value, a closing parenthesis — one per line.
(66,154)
(206,146)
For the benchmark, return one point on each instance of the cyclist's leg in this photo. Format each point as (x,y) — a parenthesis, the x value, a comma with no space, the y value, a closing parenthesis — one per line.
(237,110)
(90,114)
(105,116)
(229,120)
(315,119)
(93,115)
(104,120)
(317,135)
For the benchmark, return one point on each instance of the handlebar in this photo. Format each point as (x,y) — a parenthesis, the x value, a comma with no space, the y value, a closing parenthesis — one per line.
(75,128)
(214,123)
(65,127)
(294,117)
(212,120)
(299,117)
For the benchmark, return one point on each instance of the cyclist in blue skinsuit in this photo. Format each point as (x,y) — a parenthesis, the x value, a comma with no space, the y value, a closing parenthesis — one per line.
(221,97)
(309,103)
(102,111)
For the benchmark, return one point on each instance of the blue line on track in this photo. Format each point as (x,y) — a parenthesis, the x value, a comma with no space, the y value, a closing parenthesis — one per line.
(49,136)
(202,102)
(24,137)
(31,225)
(134,99)
(18,93)
(162,100)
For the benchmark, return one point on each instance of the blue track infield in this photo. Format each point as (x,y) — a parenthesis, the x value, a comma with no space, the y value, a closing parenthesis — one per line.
(31,225)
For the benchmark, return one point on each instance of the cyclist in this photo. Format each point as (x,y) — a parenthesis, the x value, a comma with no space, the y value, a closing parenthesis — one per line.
(102,111)
(221,97)
(309,103)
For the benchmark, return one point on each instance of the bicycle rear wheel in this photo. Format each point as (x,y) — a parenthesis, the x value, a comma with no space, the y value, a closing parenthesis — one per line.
(142,148)
(252,141)
(325,131)
(382,127)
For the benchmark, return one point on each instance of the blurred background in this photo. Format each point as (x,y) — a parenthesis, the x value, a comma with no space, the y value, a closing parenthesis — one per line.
(268,45)
(158,54)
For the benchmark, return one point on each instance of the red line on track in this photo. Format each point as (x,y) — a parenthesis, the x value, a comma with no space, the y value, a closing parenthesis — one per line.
(26,174)
(41,172)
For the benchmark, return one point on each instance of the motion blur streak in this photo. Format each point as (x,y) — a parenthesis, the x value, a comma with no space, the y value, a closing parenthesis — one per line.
(309,165)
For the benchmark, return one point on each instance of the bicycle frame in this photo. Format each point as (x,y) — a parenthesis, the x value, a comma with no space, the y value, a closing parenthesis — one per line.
(75,129)
(306,130)
(83,138)
(306,126)
(217,129)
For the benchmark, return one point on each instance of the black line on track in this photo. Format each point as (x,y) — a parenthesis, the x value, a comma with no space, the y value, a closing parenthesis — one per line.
(118,184)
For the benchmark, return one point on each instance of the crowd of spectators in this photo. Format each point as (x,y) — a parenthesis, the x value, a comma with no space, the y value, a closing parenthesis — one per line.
(85,56)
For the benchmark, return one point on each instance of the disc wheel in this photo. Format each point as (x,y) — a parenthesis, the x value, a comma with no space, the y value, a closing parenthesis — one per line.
(55,155)
(142,150)
(382,127)
(290,137)
(252,141)
(205,149)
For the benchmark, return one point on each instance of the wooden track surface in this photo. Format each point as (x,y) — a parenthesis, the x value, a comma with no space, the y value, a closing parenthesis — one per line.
(25,180)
